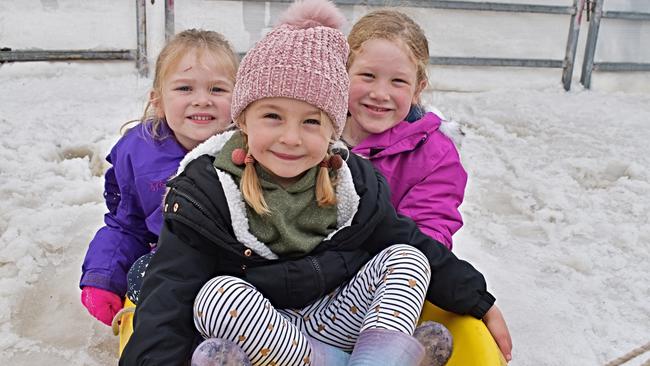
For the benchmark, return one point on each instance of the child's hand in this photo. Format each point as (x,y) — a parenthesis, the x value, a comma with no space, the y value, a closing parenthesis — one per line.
(496,324)
(101,304)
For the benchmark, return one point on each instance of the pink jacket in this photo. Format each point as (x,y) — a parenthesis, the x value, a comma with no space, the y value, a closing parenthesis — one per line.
(424,173)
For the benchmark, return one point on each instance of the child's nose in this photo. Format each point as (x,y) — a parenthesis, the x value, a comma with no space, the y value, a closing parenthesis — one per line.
(379,93)
(202,98)
(291,136)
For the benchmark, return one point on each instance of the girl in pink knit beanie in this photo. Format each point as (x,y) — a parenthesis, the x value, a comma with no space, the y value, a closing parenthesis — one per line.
(277,252)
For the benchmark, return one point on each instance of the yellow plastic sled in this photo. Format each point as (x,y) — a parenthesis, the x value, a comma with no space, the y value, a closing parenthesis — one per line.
(473,343)
(123,323)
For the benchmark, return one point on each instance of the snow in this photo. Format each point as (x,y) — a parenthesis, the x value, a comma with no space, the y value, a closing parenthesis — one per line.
(557,210)
(557,217)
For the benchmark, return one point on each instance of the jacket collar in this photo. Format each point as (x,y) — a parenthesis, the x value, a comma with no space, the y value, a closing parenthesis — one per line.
(402,137)
(211,147)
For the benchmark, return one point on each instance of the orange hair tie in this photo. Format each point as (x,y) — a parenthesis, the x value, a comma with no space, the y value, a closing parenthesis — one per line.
(335,162)
(241,157)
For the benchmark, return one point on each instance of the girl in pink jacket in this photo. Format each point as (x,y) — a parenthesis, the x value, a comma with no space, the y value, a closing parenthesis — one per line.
(387,65)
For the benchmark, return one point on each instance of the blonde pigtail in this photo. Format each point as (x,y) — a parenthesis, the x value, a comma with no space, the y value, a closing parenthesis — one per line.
(325,193)
(251,188)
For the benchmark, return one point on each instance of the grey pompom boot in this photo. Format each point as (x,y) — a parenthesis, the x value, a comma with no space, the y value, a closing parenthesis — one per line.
(437,342)
(219,352)
(387,348)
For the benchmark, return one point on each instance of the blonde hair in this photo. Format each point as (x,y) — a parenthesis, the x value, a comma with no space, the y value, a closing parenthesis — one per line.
(393,26)
(203,41)
(251,188)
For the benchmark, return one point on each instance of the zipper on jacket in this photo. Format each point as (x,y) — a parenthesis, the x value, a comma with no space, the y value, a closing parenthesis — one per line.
(194,202)
(191,223)
(321,284)
(423,139)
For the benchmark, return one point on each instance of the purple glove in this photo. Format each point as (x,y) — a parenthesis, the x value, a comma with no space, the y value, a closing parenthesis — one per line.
(100,303)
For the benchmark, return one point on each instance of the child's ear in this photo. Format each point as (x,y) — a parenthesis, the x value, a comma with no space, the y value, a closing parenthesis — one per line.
(418,92)
(156,103)
(242,125)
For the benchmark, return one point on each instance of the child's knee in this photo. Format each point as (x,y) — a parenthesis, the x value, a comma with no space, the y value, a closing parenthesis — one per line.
(223,288)
(404,253)
(135,277)
(216,302)
(403,258)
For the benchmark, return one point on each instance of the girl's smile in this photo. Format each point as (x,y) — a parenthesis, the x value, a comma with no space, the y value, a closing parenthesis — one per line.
(201,118)
(376,109)
(286,156)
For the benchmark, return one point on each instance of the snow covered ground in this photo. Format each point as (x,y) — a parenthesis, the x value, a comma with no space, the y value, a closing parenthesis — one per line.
(557,211)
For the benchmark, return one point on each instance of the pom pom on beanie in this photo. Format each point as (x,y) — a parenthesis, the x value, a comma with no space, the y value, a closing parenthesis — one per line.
(301,58)
(312,13)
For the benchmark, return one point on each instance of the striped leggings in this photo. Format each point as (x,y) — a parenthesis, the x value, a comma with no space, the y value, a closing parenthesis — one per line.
(388,292)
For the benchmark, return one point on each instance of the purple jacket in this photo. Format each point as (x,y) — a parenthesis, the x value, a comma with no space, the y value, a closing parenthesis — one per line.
(134,189)
(424,173)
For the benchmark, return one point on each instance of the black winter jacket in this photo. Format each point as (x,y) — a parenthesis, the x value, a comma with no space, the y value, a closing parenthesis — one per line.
(198,242)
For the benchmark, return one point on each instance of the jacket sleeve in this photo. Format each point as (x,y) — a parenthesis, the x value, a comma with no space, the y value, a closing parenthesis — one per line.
(122,240)
(164,331)
(455,285)
(433,202)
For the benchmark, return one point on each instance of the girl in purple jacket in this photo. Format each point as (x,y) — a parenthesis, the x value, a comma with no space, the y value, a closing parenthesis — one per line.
(189,102)
(387,65)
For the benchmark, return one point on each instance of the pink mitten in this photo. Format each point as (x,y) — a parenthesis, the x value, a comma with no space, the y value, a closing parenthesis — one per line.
(100,303)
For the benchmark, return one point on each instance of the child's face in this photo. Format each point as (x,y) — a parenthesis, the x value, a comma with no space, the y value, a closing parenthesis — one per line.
(383,85)
(196,99)
(286,136)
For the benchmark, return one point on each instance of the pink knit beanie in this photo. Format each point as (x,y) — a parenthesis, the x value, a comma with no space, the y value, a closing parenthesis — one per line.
(302,58)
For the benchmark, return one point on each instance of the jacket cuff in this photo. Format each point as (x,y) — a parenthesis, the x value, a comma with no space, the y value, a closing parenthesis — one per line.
(103,281)
(484,304)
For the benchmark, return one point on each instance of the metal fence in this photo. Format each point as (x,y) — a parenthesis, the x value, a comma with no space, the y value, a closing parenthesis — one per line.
(588,65)
(575,12)
(139,54)
(594,14)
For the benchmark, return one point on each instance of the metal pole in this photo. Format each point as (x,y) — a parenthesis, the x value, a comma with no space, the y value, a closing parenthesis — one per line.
(494,61)
(141,49)
(478,6)
(169,19)
(486,61)
(572,43)
(621,66)
(65,55)
(590,49)
(456,5)
(627,15)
